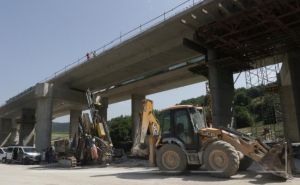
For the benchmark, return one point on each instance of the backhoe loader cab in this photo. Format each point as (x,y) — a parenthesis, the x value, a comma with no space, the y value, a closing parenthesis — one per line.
(182,124)
(185,141)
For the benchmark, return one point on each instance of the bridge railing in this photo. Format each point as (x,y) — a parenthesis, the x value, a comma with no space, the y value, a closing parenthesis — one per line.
(118,40)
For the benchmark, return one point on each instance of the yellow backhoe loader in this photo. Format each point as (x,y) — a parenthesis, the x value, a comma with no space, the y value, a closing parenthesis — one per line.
(182,140)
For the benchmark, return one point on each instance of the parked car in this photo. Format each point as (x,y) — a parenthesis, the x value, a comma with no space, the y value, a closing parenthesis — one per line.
(2,154)
(23,155)
(8,156)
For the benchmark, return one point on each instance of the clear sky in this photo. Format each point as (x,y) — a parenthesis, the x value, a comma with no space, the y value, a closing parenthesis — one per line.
(39,37)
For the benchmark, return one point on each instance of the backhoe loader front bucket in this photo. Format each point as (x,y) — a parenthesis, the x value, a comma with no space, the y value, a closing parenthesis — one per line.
(277,161)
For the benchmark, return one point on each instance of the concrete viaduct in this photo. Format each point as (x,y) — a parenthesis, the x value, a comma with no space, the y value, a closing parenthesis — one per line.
(211,40)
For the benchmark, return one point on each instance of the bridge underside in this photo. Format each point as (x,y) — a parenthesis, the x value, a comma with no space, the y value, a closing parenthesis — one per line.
(211,40)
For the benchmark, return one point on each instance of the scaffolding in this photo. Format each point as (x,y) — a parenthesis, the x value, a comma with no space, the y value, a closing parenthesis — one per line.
(262,74)
(265,77)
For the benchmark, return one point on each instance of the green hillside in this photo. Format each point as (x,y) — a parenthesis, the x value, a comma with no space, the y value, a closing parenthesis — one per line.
(60,130)
(60,127)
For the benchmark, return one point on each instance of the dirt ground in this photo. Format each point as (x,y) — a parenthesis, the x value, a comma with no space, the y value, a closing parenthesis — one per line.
(124,174)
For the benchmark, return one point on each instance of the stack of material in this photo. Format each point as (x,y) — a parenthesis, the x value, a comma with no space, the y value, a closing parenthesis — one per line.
(94,142)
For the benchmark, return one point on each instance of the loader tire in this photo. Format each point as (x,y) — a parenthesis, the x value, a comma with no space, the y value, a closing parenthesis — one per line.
(171,159)
(245,163)
(221,159)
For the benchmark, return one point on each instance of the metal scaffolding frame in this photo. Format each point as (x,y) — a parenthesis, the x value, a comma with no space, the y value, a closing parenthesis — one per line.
(264,29)
(263,75)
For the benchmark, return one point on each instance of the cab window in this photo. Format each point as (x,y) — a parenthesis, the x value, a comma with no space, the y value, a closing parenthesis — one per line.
(165,120)
(9,150)
(183,129)
(21,151)
(16,150)
(197,118)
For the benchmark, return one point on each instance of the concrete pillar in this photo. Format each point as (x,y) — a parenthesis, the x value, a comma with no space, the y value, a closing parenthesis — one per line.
(15,133)
(290,97)
(103,109)
(222,91)
(5,130)
(136,108)
(74,122)
(27,123)
(43,127)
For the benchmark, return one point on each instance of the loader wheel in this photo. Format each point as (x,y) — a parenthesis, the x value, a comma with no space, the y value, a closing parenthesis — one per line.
(221,159)
(245,163)
(171,158)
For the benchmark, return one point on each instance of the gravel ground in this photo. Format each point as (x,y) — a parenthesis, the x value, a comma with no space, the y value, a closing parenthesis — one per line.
(128,173)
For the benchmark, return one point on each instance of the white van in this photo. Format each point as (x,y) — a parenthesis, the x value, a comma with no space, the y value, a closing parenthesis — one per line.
(22,154)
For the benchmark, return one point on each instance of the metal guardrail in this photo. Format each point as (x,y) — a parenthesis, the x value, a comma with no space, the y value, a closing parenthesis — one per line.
(118,40)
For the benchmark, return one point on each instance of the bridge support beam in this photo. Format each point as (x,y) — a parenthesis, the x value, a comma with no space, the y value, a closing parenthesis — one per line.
(5,130)
(136,108)
(27,123)
(43,127)
(222,90)
(74,123)
(290,96)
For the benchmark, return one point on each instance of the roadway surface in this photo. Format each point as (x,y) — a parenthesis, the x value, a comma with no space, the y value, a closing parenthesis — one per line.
(113,175)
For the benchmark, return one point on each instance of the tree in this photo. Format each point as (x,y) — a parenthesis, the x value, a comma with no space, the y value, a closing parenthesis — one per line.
(120,132)
(199,101)
(241,98)
(255,92)
(268,109)
(242,117)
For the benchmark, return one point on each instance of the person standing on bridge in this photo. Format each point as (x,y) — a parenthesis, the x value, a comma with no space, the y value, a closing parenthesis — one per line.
(87,56)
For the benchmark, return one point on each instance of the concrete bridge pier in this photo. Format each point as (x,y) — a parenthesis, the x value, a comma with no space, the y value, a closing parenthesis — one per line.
(290,95)
(222,91)
(136,108)
(43,126)
(27,123)
(15,133)
(74,122)
(103,110)
(5,130)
